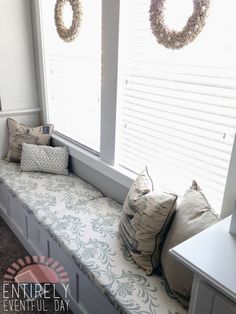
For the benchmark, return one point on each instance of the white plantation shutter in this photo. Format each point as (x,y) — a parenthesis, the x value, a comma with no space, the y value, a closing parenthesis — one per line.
(73,74)
(177,109)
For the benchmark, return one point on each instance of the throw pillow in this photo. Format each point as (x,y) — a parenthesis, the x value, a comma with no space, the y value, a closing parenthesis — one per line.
(44,158)
(20,133)
(193,215)
(145,218)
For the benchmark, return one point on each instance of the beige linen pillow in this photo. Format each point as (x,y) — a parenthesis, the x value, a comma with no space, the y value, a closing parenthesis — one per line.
(193,215)
(144,221)
(20,133)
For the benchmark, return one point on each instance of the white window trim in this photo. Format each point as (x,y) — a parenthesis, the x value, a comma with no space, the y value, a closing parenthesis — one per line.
(40,61)
(110,45)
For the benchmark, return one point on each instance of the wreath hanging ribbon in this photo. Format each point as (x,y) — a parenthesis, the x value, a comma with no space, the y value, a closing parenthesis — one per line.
(177,39)
(68,34)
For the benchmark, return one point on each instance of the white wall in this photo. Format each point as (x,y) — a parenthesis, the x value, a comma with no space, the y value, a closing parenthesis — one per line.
(18,90)
(17,67)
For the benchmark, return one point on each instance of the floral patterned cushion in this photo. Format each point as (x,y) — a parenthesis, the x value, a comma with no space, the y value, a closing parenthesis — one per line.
(86,225)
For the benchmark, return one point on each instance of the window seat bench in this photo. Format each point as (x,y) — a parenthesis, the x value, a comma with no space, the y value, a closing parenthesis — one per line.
(67,219)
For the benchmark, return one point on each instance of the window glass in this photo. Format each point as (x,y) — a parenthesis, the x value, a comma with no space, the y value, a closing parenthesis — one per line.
(73,74)
(177,108)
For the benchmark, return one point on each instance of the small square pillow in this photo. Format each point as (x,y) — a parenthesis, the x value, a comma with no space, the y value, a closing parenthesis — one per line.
(20,133)
(44,158)
(193,215)
(145,218)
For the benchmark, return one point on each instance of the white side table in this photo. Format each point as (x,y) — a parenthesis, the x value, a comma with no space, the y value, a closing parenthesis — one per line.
(211,255)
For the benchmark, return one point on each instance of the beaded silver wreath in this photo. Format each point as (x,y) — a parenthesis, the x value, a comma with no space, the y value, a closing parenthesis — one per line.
(177,39)
(68,34)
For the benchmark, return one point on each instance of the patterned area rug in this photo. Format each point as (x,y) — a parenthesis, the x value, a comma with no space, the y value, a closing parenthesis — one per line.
(10,251)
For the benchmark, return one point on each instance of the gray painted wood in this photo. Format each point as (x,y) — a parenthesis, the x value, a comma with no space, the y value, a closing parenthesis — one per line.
(232,228)
(223,306)
(107,180)
(204,299)
(106,185)
(230,193)
(211,255)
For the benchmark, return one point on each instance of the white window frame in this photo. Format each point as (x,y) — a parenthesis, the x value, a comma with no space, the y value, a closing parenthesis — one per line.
(105,163)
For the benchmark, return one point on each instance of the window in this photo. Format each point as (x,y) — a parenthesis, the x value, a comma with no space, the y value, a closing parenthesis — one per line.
(73,74)
(177,109)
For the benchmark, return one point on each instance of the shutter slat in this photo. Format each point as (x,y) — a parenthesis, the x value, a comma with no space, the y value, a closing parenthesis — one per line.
(181,143)
(139,112)
(194,100)
(178,108)
(183,89)
(184,106)
(181,158)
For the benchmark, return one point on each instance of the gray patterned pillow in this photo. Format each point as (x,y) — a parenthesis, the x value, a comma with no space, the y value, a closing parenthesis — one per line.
(20,133)
(146,215)
(44,158)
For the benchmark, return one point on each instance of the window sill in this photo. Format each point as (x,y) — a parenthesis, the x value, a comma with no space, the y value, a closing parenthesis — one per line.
(118,174)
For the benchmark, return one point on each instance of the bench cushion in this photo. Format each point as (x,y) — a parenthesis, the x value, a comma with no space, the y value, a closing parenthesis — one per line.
(86,225)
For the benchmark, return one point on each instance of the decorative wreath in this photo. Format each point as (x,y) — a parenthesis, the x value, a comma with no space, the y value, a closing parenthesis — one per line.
(177,39)
(68,34)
